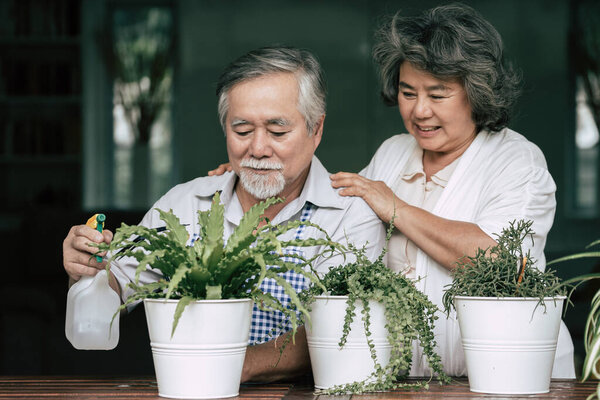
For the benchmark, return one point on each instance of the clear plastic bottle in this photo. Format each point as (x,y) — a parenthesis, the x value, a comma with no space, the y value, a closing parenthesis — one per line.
(91,304)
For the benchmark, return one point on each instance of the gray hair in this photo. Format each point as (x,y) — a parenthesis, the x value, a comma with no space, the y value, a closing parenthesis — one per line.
(449,42)
(269,60)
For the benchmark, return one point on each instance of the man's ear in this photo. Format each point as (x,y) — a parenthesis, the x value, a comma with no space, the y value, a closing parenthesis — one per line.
(318,131)
(319,126)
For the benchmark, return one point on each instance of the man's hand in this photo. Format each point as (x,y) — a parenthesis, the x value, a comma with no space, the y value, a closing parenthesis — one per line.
(78,257)
(220,170)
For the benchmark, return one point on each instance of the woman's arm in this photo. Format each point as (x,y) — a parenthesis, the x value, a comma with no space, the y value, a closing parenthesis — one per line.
(442,239)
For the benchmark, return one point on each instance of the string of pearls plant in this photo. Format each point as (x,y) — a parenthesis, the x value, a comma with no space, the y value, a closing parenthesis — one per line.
(409,313)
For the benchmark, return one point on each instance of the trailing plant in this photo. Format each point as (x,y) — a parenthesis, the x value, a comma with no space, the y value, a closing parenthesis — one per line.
(409,315)
(591,333)
(212,269)
(503,270)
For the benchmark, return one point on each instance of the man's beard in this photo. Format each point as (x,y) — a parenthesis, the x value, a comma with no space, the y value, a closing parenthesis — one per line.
(262,186)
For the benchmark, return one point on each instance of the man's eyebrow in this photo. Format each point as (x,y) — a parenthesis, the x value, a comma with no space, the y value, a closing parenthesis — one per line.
(237,122)
(279,122)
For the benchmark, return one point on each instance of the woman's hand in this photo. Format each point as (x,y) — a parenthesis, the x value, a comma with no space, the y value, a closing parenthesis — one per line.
(220,170)
(376,194)
(442,239)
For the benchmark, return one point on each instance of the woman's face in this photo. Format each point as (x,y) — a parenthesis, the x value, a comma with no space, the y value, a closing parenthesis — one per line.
(437,113)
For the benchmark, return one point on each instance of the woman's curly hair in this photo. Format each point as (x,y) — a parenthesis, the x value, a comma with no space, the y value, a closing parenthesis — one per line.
(449,42)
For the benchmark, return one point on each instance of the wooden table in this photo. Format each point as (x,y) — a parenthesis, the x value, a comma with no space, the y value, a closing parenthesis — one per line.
(85,388)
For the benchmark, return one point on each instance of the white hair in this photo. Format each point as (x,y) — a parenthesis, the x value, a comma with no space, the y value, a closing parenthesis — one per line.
(270,60)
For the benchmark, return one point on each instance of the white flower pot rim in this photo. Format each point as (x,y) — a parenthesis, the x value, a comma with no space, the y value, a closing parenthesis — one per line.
(199,301)
(508,298)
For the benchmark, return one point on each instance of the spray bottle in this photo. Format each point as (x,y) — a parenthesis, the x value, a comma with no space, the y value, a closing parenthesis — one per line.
(91,304)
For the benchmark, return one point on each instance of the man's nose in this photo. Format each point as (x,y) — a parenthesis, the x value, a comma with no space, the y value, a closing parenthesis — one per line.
(260,145)
(422,108)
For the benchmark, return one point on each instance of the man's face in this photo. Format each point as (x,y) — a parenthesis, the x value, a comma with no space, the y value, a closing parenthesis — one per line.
(268,143)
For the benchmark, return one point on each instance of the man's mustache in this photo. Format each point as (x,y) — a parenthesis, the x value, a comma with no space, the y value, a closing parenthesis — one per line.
(260,164)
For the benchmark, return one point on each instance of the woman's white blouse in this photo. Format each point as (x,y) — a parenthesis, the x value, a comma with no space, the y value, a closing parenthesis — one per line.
(500,178)
(413,187)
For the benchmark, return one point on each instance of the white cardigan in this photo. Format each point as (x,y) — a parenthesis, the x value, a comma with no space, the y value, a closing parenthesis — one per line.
(501,177)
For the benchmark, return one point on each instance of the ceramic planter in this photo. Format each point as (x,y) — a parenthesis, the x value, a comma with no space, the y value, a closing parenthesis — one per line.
(509,343)
(332,365)
(205,356)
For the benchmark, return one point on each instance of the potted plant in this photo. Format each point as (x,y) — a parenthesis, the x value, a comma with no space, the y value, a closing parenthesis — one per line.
(199,353)
(591,333)
(509,315)
(375,353)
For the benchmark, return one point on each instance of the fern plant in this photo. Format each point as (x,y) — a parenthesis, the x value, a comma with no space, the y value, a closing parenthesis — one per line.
(503,270)
(410,316)
(212,269)
(591,335)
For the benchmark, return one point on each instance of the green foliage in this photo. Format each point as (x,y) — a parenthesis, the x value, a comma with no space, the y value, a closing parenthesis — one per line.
(503,271)
(592,326)
(409,313)
(211,270)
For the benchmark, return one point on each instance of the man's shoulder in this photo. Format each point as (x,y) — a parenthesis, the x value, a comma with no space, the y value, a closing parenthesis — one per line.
(349,210)
(351,220)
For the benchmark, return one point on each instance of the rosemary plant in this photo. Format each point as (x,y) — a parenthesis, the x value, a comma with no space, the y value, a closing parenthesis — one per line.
(503,270)
(409,315)
(210,269)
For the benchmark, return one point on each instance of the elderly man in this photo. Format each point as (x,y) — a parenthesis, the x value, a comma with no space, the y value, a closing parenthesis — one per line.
(271,104)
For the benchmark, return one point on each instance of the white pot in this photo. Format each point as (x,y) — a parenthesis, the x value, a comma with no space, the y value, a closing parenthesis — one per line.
(205,356)
(332,365)
(509,344)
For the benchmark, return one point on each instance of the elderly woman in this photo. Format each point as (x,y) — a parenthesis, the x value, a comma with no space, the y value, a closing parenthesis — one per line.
(460,174)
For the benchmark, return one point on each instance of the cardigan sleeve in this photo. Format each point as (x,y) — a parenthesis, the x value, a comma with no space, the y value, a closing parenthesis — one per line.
(526,192)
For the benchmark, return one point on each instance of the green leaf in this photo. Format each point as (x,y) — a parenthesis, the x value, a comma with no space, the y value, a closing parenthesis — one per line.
(260,261)
(179,274)
(213,292)
(213,241)
(229,265)
(594,243)
(591,358)
(294,299)
(199,275)
(243,236)
(199,248)
(203,219)
(175,230)
(148,259)
(181,305)
(588,254)
(582,278)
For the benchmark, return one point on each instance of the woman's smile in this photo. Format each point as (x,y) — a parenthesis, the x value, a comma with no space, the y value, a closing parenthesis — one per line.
(427,131)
